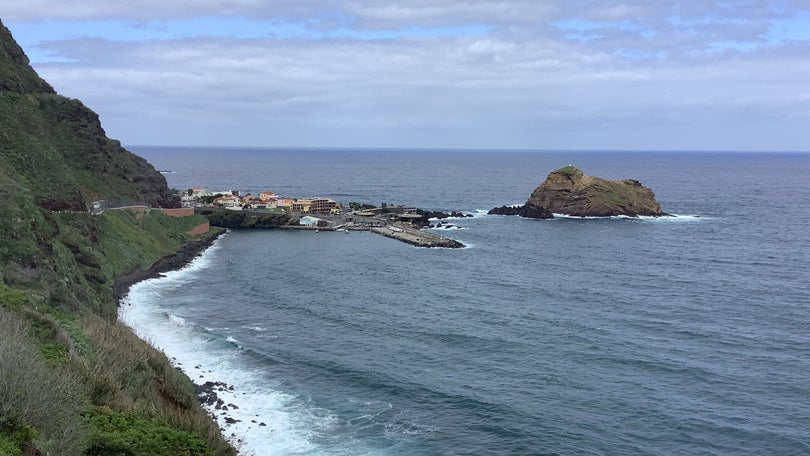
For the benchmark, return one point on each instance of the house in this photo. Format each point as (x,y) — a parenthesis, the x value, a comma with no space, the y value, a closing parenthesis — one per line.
(283,201)
(315,206)
(266,195)
(255,205)
(249,198)
(324,206)
(228,202)
(199,192)
(301,205)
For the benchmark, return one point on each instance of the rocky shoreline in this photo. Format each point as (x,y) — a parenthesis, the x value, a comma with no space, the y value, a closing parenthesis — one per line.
(210,397)
(210,393)
(185,255)
(424,221)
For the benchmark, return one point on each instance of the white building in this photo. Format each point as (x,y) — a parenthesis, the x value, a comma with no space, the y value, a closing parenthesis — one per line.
(229,202)
(309,220)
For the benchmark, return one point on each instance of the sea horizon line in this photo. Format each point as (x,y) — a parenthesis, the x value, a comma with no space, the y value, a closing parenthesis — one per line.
(460,149)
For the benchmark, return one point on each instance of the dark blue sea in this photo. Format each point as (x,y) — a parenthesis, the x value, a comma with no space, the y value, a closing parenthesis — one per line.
(658,336)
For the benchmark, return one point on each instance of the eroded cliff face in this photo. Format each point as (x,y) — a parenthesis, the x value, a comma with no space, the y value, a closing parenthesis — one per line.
(56,145)
(569,191)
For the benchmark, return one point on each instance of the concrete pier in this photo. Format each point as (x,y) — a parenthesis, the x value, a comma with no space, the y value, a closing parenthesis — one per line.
(417,237)
(388,227)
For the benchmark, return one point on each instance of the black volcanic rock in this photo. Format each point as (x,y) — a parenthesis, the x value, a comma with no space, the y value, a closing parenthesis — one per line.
(505,210)
(526,210)
(424,220)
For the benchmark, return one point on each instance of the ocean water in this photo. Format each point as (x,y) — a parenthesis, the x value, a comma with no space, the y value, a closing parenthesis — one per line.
(680,335)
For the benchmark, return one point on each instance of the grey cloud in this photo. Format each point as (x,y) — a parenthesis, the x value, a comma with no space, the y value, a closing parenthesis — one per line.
(690,10)
(640,27)
(385,13)
(637,79)
(33,10)
(368,13)
(374,13)
(269,91)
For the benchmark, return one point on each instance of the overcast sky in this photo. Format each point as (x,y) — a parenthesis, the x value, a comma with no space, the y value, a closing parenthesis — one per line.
(526,74)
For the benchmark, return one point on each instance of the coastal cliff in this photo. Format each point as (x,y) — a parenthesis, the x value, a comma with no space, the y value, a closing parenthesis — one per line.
(569,191)
(72,379)
(57,145)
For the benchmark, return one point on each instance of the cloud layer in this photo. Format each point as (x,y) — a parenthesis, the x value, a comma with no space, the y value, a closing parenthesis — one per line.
(517,74)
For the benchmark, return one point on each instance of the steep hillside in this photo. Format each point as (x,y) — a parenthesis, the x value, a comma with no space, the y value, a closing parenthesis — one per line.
(73,380)
(58,146)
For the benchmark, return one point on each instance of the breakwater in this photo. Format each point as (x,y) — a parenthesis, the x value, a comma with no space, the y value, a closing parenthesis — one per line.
(389,226)
(417,237)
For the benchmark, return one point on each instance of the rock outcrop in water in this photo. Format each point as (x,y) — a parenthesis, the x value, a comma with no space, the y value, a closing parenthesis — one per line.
(569,191)
(527,210)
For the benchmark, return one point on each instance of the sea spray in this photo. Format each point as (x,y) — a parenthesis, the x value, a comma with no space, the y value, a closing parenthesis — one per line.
(255,419)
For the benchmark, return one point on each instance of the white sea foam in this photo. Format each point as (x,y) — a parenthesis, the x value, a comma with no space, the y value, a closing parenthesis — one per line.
(448,228)
(467,215)
(269,422)
(467,246)
(677,218)
(641,218)
(484,214)
(234,341)
(176,320)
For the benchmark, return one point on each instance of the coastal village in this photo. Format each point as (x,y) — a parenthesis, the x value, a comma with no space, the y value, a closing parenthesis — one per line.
(263,201)
(398,222)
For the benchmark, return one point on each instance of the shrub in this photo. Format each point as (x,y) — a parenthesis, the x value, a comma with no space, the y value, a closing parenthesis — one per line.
(134,379)
(14,436)
(44,401)
(124,434)
(10,298)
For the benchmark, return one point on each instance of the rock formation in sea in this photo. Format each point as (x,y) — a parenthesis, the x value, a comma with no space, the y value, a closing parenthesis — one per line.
(569,191)
(527,210)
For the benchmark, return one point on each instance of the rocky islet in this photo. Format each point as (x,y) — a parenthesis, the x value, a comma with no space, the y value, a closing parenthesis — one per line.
(571,192)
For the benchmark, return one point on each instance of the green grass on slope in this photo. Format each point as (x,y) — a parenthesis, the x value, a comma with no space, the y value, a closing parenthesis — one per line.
(63,355)
(125,434)
(132,240)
